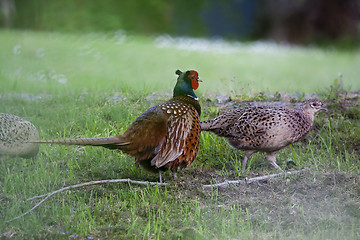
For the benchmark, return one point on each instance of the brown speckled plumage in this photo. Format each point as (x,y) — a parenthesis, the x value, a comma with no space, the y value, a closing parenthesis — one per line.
(14,134)
(264,128)
(165,136)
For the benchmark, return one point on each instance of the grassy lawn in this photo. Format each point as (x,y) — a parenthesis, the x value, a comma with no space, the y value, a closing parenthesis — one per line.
(58,63)
(97,84)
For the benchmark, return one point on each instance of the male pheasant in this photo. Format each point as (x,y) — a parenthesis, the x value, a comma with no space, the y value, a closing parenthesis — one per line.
(165,136)
(264,128)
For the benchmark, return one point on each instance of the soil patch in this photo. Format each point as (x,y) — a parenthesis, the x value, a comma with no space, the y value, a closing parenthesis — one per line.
(306,204)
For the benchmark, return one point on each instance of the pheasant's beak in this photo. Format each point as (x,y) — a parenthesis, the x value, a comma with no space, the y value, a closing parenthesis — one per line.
(199,80)
(324,108)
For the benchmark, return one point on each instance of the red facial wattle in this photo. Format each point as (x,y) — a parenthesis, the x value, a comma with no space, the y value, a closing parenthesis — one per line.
(194,84)
(194,79)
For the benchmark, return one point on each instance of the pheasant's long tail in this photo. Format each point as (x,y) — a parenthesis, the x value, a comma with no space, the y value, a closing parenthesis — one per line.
(206,125)
(107,142)
(216,126)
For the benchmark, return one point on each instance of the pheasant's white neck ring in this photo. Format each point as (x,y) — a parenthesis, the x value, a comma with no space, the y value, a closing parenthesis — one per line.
(197,99)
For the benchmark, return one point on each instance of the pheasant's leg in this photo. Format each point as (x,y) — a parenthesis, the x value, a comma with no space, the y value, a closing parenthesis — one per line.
(160,177)
(246,157)
(175,176)
(272,159)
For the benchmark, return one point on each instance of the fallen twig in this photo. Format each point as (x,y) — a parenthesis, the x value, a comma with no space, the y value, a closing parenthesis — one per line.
(127,180)
(47,195)
(223,184)
(228,183)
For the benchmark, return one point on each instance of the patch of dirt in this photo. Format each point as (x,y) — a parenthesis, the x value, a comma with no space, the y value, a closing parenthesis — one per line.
(311,201)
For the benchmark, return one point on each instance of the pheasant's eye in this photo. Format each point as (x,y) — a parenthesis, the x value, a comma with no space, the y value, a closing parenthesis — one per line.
(314,105)
(193,75)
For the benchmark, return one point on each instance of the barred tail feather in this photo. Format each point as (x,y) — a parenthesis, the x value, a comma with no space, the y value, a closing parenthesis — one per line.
(107,142)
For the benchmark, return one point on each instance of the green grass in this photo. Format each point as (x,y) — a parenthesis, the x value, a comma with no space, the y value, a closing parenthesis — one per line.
(108,86)
(39,62)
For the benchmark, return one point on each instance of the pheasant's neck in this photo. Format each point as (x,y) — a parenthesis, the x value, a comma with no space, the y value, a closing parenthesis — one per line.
(190,100)
(309,118)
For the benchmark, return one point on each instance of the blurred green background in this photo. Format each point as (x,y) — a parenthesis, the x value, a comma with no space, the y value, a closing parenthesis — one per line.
(299,21)
(238,46)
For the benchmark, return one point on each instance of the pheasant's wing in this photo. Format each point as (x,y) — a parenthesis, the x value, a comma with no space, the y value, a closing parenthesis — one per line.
(179,128)
(246,126)
(145,136)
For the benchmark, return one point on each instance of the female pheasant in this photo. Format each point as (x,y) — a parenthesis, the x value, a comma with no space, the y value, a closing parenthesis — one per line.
(165,136)
(14,131)
(264,128)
